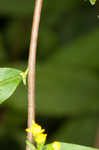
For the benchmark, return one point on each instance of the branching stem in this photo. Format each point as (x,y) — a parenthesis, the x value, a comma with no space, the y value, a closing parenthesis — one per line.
(31,66)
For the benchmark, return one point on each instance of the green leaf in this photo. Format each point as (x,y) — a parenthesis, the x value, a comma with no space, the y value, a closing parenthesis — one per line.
(66,146)
(9,80)
(92,2)
(30,145)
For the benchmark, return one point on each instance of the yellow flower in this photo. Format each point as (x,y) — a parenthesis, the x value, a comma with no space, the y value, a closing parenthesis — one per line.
(40,138)
(56,145)
(35,129)
(38,133)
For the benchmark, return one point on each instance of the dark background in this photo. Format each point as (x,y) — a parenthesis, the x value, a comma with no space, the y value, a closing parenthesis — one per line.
(67,72)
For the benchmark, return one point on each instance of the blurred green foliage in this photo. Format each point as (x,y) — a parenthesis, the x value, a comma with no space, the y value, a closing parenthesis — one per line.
(92,2)
(67,77)
(73,147)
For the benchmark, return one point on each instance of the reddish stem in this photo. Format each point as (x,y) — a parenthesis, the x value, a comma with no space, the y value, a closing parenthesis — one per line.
(31,66)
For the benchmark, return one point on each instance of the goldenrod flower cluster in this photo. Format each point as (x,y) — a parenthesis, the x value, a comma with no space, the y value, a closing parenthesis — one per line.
(38,133)
(40,137)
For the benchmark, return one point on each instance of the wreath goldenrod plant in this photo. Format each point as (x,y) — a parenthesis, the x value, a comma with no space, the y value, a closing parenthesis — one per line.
(10,79)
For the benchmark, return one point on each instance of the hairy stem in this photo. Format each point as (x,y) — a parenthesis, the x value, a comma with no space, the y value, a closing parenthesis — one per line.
(31,66)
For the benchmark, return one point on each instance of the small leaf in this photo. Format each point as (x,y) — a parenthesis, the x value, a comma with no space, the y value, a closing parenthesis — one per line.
(24,75)
(9,80)
(66,146)
(32,147)
(92,2)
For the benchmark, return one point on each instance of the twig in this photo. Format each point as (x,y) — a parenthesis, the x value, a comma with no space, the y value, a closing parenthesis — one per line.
(31,66)
(97,139)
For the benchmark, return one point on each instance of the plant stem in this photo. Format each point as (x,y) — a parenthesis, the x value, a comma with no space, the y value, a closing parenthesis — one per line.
(97,139)
(31,66)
